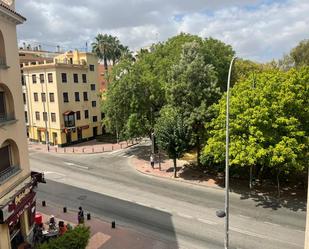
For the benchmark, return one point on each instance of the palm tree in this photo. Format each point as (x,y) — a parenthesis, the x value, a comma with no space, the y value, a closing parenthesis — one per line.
(109,48)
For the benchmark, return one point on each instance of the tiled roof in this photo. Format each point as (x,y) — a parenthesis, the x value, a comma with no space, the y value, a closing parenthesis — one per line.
(12,11)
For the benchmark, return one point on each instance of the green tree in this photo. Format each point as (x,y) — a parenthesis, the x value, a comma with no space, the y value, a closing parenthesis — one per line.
(172,135)
(109,48)
(268,123)
(136,93)
(76,238)
(300,54)
(193,89)
(218,54)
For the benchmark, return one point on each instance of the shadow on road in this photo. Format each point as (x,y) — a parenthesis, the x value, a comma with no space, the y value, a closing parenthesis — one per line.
(151,222)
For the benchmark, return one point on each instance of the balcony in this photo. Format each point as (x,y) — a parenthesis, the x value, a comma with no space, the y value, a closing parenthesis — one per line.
(8,173)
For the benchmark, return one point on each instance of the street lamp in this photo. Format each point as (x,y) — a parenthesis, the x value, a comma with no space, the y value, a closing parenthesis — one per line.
(225,213)
(226,240)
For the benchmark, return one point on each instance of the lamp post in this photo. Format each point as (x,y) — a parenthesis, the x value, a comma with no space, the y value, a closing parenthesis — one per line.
(226,239)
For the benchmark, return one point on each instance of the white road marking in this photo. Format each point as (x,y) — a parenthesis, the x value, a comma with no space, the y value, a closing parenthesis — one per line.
(248,233)
(244,216)
(207,221)
(52,172)
(184,215)
(76,165)
(269,223)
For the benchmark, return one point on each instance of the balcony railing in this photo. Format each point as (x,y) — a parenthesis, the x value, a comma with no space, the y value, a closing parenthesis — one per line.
(8,172)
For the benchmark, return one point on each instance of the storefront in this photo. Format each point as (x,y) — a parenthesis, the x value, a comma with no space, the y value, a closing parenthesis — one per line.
(17,211)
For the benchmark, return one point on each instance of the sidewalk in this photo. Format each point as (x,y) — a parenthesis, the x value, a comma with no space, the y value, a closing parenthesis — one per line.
(88,147)
(103,236)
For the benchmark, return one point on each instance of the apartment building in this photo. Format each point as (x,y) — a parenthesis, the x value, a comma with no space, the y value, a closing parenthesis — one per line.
(17,183)
(62,99)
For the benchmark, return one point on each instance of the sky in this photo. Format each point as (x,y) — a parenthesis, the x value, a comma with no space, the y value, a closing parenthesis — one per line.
(260,30)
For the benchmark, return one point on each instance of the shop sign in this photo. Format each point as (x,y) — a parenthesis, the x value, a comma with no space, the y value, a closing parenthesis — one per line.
(18,198)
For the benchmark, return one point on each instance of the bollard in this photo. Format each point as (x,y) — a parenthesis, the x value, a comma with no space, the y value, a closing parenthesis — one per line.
(56,149)
(64,209)
(64,150)
(88,216)
(83,150)
(92,149)
(120,146)
(73,149)
(44,203)
(113,224)
(112,147)
(103,149)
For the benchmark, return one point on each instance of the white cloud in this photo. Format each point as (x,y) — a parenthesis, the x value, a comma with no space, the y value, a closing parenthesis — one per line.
(256,30)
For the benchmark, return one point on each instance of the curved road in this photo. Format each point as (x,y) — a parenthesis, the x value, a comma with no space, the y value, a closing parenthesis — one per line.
(107,185)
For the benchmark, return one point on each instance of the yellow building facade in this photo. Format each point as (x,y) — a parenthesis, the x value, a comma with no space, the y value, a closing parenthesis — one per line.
(17,183)
(62,99)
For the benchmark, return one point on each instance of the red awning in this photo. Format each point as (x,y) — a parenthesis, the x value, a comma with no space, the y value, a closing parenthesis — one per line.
(68,113)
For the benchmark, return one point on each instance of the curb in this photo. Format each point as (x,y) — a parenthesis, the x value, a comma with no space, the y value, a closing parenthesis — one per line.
(83,153)
(173,179)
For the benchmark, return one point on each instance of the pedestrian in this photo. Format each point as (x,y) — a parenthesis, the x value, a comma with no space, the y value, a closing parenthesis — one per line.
(80,216)
(152,161)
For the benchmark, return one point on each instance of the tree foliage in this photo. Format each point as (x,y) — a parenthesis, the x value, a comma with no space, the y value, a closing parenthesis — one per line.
(269,115)
(109,48)
(76,238)
(193,89)
(172,135)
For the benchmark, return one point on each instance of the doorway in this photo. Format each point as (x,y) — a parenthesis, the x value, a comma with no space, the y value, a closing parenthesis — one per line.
(55,139)
(79,134)
(95,131)
(69,137)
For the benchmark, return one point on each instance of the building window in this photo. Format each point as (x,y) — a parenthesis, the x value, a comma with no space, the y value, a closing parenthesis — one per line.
(45,116)
(6,160)
(92,87)
(23,82)
(84,78)
(50,78)
(78,115)
(94,118)
(41,78)
(69,120)
(51,97)
(75,78)
(43,96)
(93,103)
(85,96)
(77,96)
(33,78)
(91,67)
(37,116)
(86,114)
(64,77)
(53,117)
(65,97)
(26,117)
(35,96)
(24,98)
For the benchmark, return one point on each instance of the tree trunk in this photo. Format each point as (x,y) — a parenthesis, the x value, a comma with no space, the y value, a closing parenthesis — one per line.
(175,167)
(105,64)
(198,148)
(278,183)
(159,160)
(250,180)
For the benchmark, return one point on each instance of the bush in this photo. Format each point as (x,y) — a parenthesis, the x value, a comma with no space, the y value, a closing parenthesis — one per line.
(76,238)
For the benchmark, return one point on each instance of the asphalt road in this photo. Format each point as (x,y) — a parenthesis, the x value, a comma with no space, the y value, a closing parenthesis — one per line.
(108,186)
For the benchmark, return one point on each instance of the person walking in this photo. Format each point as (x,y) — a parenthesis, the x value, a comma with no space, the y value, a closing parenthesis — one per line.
(80,216)
(152,160)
